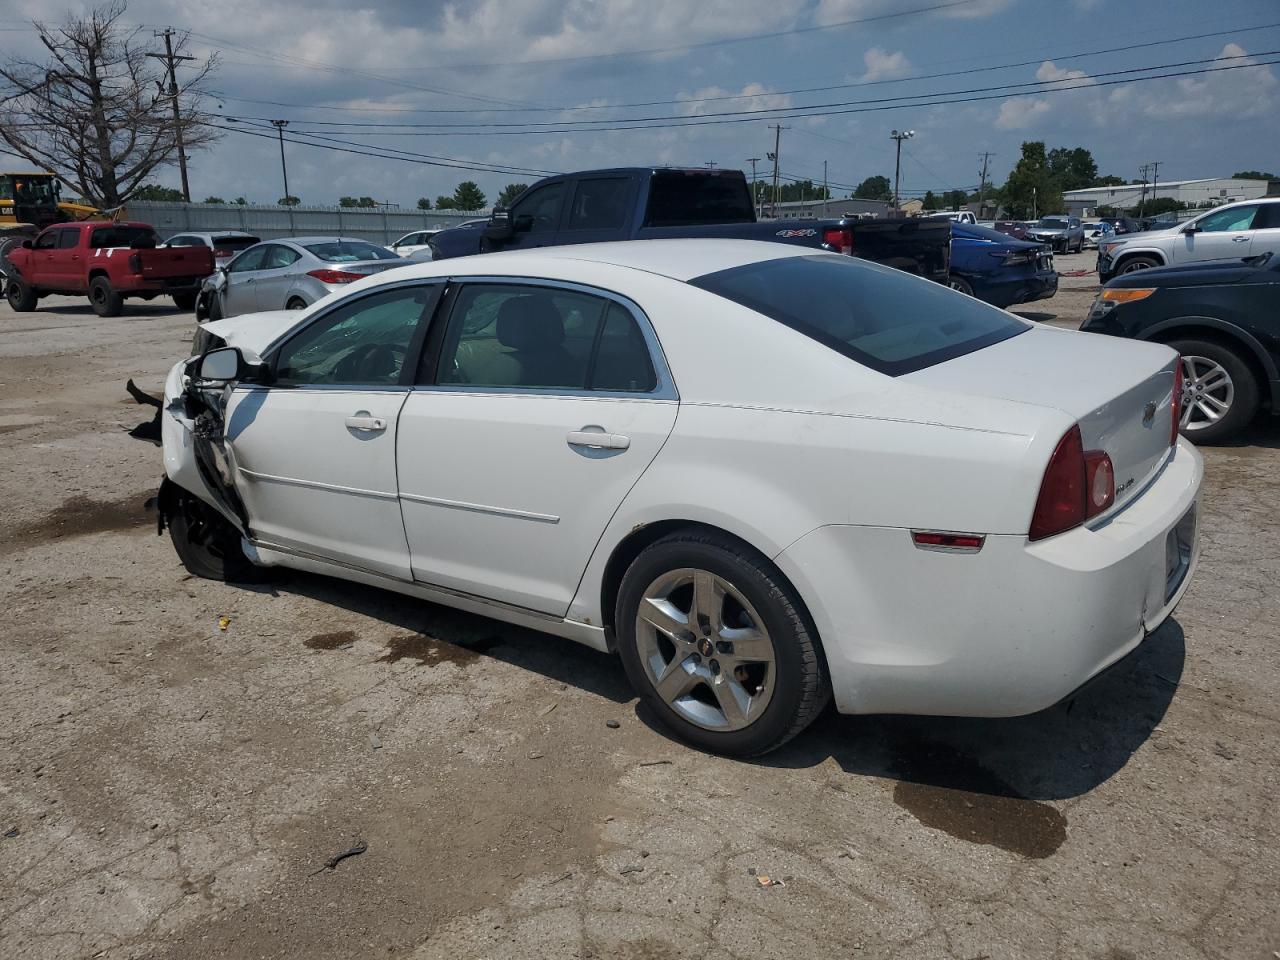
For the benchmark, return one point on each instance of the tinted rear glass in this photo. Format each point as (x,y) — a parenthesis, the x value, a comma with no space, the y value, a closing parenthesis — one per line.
(120,236)
(883,318)
(349,251)
(972,231)
(234,243)
(677,199)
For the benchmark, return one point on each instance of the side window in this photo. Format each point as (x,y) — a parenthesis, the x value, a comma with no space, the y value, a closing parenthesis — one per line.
(599,205)
(278,256)
(249,260)
(68,239)
(360,343)
(182,241)
(47,240)
(1268,217)
(1224,221)
(541,337)
(542,207)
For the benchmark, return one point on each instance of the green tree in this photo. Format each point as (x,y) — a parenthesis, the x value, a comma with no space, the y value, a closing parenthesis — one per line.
(1162,205)
(1108,181)
(445,203)
(289,201)
(1072,167)
(468,196)
(424,203)
(1031,189)
(151,191)
(239,201)
(1254,175)
(874,188)
(214,200)
(510,192)
(930,202)
(357,202)
(955,199)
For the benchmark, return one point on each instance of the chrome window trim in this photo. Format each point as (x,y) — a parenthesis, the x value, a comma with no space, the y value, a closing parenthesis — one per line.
(664,388)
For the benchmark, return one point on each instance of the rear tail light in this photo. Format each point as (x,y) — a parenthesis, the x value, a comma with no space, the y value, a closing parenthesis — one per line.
(222,254)
(1176,405)
(335,276)
(1077,485)
(135,263)
(839,239)
(1016,257)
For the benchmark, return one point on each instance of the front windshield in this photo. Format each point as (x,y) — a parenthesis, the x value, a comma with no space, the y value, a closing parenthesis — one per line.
(1056,222)
(349,251)
(35,191)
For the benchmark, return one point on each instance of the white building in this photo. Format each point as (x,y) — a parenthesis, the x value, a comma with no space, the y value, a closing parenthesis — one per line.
(1212,192)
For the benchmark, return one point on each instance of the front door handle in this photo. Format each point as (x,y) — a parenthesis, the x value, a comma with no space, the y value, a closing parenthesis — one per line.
(366,424)
(1239,239)
(596,437)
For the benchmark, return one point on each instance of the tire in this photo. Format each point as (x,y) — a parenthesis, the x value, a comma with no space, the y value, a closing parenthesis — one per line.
(1217,379)
(1136,263)
(184,301)
(207,544)
(785,687)
(105,300)
(22,299)
(296,303)
(959,284)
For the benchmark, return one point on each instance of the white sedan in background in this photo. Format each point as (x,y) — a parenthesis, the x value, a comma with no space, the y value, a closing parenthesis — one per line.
(766,476)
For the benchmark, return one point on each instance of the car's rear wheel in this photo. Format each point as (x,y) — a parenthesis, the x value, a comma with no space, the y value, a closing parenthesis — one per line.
(1138,263)
(184,301)
(22,299)
(960,285)
(207,544)
(296,303)
(105,299)
(1219,391)
(718,645)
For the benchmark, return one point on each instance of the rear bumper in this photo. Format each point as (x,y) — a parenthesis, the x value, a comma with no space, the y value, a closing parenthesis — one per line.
(1007,631)
(1010,291)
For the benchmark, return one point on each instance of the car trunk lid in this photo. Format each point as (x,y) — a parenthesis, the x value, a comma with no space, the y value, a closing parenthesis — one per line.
(1120,392)
(163,263)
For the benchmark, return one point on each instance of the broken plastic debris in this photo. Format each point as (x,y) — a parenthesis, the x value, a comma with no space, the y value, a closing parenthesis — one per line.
(766,881)
(223,623)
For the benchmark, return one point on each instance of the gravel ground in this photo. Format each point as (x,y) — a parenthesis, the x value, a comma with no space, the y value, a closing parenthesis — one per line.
(171,788)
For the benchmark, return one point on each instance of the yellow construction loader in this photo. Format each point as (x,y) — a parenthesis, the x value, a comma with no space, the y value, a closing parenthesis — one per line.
(29,202)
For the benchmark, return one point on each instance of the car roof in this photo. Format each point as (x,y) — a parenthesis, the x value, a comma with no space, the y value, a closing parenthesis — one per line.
(678,259)
(320,239)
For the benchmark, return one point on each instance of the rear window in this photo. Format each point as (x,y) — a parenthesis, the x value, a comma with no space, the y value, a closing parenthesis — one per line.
(679,199)
(234,243)
(973,231)
(349,251)
(883,318)
(121,236)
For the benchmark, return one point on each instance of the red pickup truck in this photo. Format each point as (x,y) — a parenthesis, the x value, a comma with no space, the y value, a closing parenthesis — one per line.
(108,261)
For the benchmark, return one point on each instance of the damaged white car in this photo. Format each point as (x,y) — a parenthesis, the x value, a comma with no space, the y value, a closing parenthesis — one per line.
(766,477)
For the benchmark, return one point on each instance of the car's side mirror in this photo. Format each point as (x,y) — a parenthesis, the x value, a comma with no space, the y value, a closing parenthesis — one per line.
(1190,228)
(225,365)
(27,244)
(523,223)
(499,229)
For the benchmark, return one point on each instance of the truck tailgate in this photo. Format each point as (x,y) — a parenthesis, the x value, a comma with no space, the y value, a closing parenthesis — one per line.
(173,262)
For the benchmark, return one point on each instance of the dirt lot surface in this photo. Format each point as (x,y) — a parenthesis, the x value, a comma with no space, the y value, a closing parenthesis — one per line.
(173,789)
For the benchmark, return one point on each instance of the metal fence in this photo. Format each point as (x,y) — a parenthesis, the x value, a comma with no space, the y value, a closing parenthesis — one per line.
(378,225)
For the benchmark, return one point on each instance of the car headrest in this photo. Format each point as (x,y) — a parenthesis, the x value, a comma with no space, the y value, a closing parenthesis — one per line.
(530,323)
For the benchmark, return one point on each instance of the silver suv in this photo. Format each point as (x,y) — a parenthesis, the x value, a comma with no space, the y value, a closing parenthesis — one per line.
(1062,232)
(1247,228)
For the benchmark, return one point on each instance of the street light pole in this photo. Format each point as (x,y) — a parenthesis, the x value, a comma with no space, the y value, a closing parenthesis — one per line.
(898,136)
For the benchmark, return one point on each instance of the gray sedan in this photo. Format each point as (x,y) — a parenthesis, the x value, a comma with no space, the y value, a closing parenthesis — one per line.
(290,274)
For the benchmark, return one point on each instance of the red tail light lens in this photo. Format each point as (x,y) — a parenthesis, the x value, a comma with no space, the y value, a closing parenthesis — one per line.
(1176,405)
(839,239)
(1077,485)
(1062,492)
(222,253)
(335,276)
(135,263)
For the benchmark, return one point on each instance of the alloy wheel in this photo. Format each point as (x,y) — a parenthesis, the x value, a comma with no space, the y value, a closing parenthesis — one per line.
(1207,392)
(705,649)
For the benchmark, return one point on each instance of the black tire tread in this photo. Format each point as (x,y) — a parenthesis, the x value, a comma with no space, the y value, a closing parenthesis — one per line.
(815,690)
(231,567)
(22,299)
(112,305)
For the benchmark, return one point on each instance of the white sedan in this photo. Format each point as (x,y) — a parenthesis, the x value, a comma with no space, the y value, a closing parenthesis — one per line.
(765,476)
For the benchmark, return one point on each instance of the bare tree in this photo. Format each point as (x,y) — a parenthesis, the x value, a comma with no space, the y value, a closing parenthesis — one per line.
(96,112)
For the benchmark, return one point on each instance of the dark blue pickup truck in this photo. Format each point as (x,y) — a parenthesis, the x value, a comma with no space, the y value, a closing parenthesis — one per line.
(643,203)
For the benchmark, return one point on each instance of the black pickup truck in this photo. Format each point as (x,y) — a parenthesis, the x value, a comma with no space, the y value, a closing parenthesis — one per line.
(642,203)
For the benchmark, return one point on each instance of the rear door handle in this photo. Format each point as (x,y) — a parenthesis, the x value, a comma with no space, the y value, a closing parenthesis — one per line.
(597,438)
(366,423)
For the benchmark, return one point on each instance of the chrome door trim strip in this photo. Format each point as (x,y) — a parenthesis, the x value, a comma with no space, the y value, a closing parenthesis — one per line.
(482,508)
(315,485)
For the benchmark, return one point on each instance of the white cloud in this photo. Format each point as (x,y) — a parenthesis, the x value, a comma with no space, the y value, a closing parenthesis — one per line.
(1049,72)
(885,66)
(841,11)
(1018,113)
(753,96)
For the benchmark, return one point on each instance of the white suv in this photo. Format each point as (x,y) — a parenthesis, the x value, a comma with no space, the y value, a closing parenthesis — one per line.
(1247,228)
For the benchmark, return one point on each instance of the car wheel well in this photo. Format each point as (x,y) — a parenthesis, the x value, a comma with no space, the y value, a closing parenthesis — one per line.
(1224,339)
(99,272)
(1145,255)
(625,553)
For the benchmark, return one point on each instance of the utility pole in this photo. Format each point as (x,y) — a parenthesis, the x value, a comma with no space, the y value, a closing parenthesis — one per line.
(1142,199)
(1035,213)
(777,144)
(710,164)
(755,194)
(1155,179)
(982,187)
(898,136)
(825,192)
(280,125)
(169,60)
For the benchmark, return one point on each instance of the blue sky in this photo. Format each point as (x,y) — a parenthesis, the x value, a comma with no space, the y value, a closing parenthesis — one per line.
(336,63)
